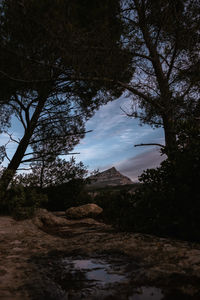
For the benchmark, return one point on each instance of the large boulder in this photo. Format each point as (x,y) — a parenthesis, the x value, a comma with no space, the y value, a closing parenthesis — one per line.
(44,218)
(84,211)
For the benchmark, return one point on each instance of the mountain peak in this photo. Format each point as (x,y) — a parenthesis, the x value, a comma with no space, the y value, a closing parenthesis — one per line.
(113,168)
(109,177)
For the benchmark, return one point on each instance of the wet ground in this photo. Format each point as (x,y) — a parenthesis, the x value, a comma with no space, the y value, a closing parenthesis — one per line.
(98,277)
(88,260)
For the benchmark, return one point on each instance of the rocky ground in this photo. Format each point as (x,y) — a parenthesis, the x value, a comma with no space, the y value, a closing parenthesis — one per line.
(32,252)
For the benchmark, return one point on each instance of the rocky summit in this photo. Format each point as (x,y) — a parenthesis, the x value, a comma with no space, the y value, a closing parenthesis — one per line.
(110,177)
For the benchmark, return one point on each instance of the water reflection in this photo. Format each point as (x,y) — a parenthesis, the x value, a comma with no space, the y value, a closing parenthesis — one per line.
(98,271)
(104,279)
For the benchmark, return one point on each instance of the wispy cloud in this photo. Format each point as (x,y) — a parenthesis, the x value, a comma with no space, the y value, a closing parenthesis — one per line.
(113,138)
(134,166)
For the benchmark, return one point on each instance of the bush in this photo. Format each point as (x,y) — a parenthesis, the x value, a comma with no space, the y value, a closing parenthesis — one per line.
(21,202)
(169,201)
(66,195)
(118,207)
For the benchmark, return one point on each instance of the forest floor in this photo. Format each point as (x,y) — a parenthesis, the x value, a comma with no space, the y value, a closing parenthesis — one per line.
(35,256)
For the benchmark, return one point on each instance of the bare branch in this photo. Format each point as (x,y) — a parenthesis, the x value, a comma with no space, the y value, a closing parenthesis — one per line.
(18,114)
(172,62)
(145,97)
(150,144)
(48,153)
(41,157)
(6,155)
(142,56)
(11,138)
(157,37)
(54,137)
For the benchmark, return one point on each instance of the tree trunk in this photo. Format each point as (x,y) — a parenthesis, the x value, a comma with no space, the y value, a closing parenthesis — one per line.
(42,174)
(15,162)
(170,136)
(22,147)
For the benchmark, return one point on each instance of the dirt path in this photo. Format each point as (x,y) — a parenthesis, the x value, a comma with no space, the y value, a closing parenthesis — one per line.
(162,262)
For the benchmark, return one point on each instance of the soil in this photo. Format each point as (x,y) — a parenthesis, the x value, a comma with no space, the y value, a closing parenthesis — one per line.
(49,257)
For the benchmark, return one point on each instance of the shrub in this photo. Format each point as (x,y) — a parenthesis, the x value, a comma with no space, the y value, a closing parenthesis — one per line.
(21,202)
(66,195)
(169,201)
(118,207)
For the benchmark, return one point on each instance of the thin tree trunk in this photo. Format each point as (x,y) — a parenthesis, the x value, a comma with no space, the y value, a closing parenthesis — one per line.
(170,136)
(21,149)
(166,110)
(42,174)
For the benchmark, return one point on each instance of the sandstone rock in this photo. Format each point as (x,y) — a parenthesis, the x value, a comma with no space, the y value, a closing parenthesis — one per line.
(46,218)
(83,211)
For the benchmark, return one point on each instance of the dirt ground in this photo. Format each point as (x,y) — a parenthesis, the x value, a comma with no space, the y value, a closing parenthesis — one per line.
(170,264)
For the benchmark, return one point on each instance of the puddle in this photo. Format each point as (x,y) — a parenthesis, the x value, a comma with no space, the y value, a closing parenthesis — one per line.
(100,279)
(97,271)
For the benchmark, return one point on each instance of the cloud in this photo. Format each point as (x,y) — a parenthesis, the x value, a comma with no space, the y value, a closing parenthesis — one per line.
(113,138)
(134,166)
(106,120)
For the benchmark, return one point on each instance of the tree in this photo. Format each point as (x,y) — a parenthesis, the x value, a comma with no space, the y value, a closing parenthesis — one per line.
(61,182)
(163,37)
(53,173)
(48,50)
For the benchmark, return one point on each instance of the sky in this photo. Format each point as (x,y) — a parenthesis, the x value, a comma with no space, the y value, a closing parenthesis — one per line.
(111,142)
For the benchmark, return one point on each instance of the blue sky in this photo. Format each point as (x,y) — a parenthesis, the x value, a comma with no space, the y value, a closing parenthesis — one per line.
(111,142)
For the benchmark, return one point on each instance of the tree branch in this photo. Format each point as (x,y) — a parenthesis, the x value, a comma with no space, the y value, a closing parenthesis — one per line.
(22,80)
(6,155)
(146,98)
(54,137)
(172,62)
(11,138)
(41,158)
(150,144)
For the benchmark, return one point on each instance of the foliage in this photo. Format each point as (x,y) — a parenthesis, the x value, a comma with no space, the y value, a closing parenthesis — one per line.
(50,56)
(66,195)
(117,207)
(168,202)
(163,38)
(21,202)
(60,181)
(52,173)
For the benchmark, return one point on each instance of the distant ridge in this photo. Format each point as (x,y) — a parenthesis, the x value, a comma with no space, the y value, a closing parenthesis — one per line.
(110,177)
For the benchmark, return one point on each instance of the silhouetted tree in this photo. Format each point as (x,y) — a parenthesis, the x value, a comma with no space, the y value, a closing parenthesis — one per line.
(53,173)
(48,50)
(163,37)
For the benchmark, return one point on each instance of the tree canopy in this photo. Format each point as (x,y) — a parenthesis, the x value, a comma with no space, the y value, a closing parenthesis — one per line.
(61,59)
(53,173)
(163,37)
(48,52)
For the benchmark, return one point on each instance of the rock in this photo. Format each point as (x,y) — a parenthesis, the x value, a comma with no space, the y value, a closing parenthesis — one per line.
(59,213)
(46,218)
(83,211)
(110,177)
